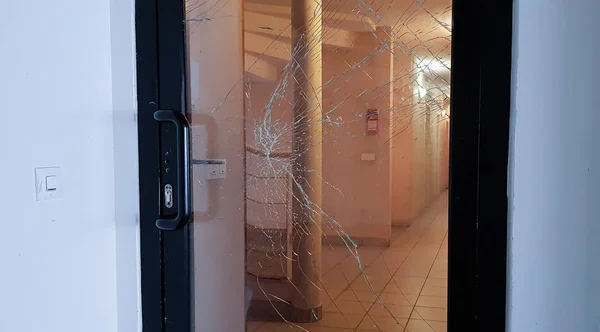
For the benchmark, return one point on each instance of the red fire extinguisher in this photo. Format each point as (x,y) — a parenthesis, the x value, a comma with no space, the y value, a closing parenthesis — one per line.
(372,117)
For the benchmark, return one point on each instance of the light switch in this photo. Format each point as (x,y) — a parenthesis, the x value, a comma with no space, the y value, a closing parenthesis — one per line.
(51,183)
(48,183)
(367,156)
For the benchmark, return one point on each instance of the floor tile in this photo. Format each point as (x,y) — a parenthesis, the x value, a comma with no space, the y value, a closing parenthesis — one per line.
(435,291)
(347,295)
(432,301)
(409,285)
(438,326)
(394,298)
(330,294)
(348,307)
(373,285)
(435,314)
(437,282)
(416,325)
(384,324)
(366,296)
(346,321)
(410,278)
(443,274)
(391,310)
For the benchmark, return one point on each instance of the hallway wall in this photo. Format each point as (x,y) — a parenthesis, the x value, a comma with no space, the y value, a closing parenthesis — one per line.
(420,139)
(411,149)
(358,192)
(67,85)
(554,176)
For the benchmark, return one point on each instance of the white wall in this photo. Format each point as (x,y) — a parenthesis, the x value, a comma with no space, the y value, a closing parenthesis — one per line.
(554,242)
(125,149)
(66,87)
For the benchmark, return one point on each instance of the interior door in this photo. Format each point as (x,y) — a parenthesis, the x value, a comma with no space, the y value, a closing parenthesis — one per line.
(294,165)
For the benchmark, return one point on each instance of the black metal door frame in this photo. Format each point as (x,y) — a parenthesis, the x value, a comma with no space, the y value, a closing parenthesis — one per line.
(479,131)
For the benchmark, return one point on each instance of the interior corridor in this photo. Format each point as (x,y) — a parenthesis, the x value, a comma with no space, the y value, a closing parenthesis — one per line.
(409,278)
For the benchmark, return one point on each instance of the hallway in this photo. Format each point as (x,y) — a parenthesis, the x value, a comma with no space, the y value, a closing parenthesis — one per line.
(410,278)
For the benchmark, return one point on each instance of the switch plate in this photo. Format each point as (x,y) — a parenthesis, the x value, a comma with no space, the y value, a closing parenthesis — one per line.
(48,183)
(367,156)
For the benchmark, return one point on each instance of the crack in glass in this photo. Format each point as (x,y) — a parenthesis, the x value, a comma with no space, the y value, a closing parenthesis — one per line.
(391,57)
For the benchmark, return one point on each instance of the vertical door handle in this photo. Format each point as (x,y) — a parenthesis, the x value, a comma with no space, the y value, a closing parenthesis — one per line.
(175,179)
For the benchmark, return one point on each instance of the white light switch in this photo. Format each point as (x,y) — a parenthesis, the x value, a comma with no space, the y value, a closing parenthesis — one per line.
(51,183)
(48,183)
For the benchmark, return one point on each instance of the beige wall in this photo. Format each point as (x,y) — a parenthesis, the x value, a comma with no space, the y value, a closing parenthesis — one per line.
(420,141)
(429,128)
(364,197)
(358,192)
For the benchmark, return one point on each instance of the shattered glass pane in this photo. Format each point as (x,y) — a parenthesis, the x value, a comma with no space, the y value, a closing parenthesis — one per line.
(333,119)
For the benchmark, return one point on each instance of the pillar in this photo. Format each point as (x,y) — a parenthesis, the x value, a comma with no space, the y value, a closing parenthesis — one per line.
(306,160)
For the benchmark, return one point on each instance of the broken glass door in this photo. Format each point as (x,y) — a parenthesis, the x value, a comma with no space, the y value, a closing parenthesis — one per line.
(319,164)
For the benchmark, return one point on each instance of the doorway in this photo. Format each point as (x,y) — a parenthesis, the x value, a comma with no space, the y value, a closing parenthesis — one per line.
(306,187)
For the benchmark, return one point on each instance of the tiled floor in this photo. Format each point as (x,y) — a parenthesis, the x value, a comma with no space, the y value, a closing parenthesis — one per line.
(407,287)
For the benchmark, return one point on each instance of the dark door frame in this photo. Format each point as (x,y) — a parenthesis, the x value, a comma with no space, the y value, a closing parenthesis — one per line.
(479,133)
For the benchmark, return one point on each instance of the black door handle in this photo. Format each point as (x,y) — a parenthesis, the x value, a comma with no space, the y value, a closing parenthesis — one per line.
(175,178)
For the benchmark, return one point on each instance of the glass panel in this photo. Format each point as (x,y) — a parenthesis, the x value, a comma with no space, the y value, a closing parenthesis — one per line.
(320,130)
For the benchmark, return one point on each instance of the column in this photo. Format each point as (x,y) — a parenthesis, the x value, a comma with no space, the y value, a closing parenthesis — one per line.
(306,160)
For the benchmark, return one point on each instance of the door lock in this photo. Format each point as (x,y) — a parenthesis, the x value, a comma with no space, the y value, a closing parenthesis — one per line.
(168,196)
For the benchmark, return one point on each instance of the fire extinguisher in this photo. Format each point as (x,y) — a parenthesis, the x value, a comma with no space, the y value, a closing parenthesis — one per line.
(372,119)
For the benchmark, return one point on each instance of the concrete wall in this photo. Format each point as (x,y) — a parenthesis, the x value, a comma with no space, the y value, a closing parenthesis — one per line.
(554,274)
(68,92)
